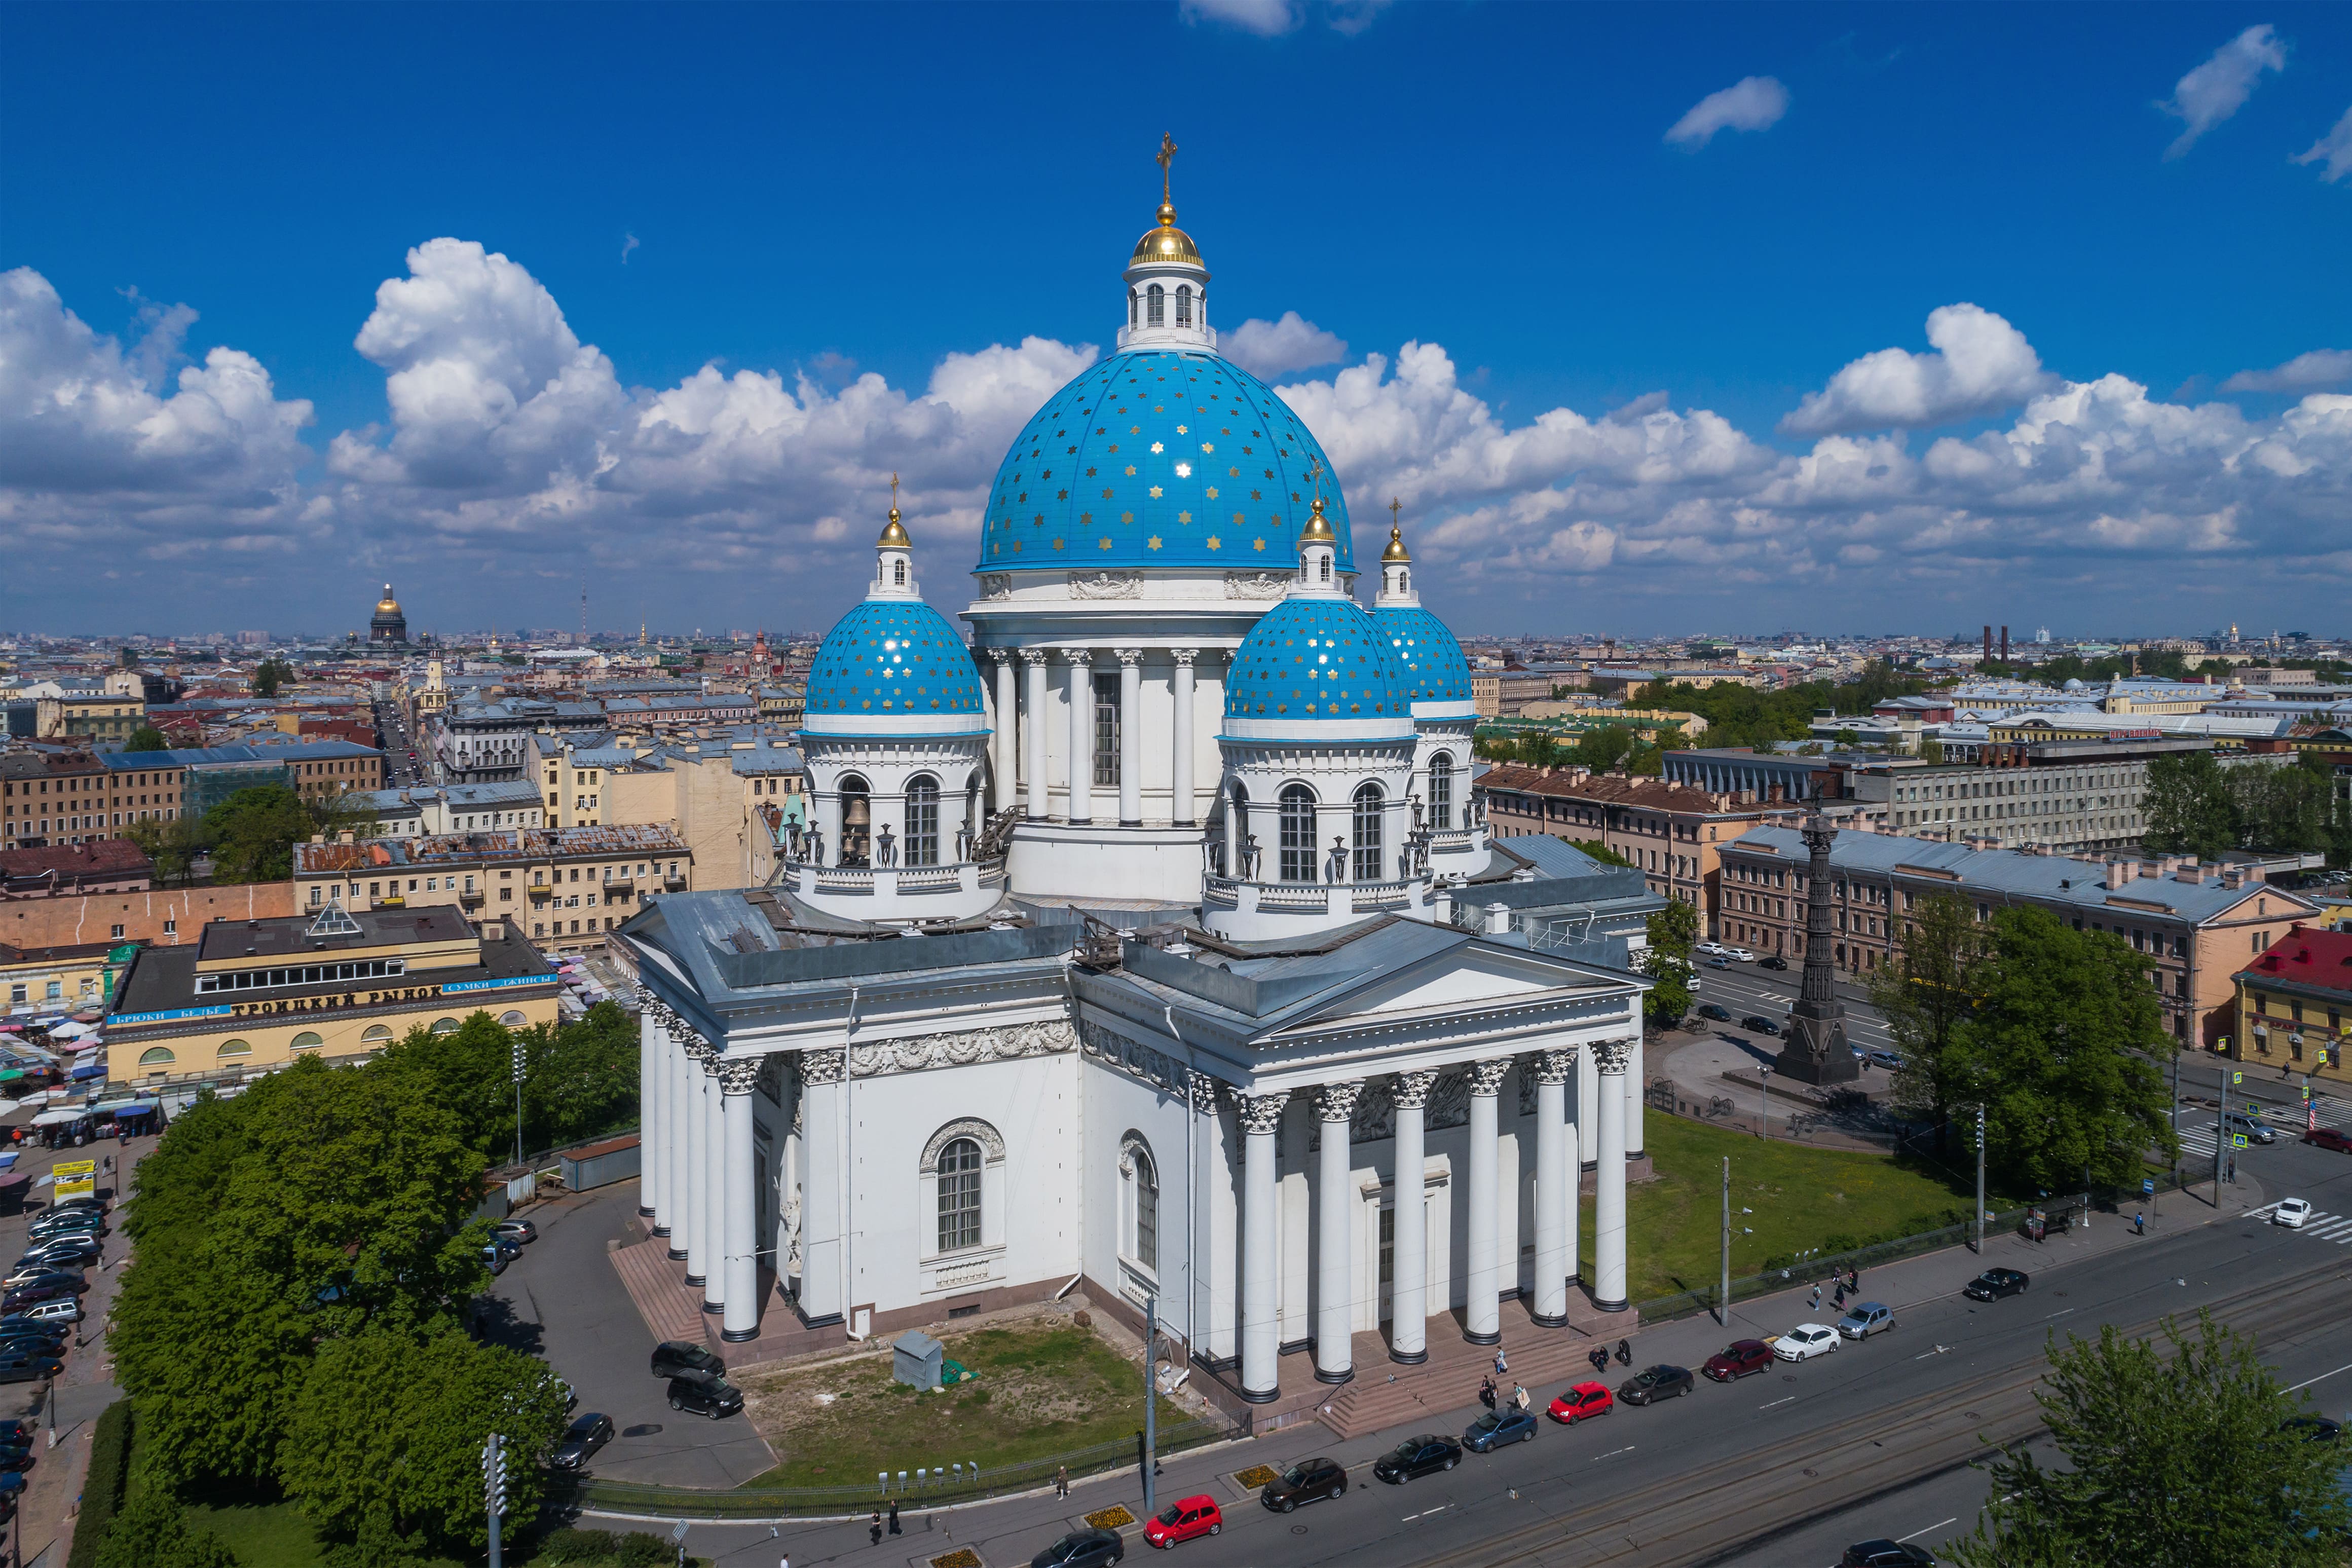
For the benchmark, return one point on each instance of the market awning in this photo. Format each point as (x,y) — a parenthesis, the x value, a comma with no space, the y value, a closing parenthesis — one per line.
(88,1070)
(60,1118)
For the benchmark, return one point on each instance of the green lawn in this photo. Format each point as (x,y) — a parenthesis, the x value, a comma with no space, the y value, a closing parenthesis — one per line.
(1040,1388)
(1795,1197)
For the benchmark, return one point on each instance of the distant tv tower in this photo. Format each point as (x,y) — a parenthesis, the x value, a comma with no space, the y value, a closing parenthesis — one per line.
(583,612)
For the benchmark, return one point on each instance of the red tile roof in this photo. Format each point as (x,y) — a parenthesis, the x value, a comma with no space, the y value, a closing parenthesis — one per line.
(2307,956)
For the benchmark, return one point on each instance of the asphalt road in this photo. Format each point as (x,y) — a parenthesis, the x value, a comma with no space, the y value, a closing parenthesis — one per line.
(1742,989)
(1782,1469)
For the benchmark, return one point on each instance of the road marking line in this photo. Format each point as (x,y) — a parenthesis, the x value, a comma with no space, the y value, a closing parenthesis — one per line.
(1426,1513)
(2322,1377)
(2059,1313)
(1922,1531)
(1776,1402)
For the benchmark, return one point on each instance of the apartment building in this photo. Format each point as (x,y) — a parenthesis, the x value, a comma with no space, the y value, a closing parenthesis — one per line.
(2064,795)
(2196,924)
(2294,1004)
(75,797)
(1672,833)
(450,808)
(106,717)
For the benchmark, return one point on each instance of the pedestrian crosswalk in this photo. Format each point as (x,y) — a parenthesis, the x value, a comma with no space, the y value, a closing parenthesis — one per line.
(2322,1226)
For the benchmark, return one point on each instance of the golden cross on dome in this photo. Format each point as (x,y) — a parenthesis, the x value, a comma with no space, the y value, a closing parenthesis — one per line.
(1167,156)
(894,496)
(1394,507)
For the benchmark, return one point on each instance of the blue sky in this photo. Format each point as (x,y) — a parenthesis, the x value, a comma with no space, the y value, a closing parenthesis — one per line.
(937,200)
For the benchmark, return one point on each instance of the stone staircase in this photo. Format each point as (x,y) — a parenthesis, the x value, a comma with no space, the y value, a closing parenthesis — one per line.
(1387,1395)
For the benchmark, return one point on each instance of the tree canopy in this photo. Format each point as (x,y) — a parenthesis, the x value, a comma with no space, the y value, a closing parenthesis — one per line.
(253,833)
(2197,806)
(270,675)
(1672,933)
(147,738)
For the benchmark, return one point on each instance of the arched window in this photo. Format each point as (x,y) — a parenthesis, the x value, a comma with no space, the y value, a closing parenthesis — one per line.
(923,820)
(1298,834)
(1441,791)
(856,821)
(156,1057)
(1139,1191)
(1184,304)
(232,1048)
(377,1033)
(959,1168)
(1370,809)
(512,1019)
(1237,832)
(899,573)
(308,1040)
(440,1026)
(1155,306)
(1134,308)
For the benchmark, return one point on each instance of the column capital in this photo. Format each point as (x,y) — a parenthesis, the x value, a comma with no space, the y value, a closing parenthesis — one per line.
(1077,657)
(1412,1087)
(824,1066)
(1556,1066)
(1613,1057)
(1336,1101)
(1201,1090)
(737,1076)
(1486,1077)
(1001,654)
(1185,655)
(1262,1112)
(1128,655)
(1034,657)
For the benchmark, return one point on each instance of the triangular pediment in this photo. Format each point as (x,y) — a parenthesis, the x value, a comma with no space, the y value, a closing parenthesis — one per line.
(1460,981)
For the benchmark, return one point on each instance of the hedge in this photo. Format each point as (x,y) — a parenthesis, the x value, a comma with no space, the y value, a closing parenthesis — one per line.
(101,1491)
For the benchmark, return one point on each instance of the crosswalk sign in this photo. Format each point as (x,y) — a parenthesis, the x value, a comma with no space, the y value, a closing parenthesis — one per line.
(2237,1078)
(2236,1139)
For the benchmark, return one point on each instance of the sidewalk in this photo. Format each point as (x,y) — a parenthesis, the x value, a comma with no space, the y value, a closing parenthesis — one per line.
(1696,1064)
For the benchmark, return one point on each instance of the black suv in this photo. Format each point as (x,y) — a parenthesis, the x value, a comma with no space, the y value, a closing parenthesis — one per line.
(1082,1549)
(1887,1554)
(580,1441)
(1422,1456)
(25,1368)
(1652,1384)
(1759,1024)
(1309,1480)
(705,1396)
(1716,1011)
(1993,1284)
(677,1358)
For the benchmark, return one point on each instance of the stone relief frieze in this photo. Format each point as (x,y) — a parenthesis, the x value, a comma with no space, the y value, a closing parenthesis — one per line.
(996,586)
(1156,1067)
(1106,584)
(1256,585)
(962,1048)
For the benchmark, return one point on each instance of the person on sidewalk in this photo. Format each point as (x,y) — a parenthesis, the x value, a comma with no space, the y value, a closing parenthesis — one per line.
(1519,1397)
(2139,1223)
(1817,1300)
(1062,1481)
(893,1516)
(1600,1359)
(1486,1392)
(876,1530)
(1502,1366)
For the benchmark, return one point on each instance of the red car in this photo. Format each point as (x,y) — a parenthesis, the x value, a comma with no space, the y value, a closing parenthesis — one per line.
(2329,1138)
(1738,1359)
(1184,1519)
(1581,1403)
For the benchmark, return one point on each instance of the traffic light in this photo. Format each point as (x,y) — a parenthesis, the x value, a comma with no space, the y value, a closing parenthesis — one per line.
(494,1474)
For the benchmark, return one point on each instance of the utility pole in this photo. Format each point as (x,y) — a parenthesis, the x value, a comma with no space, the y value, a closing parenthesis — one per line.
(518,1077)
(1722,1297)
(494,1489)
(1764,1106)
(1980,1196)
(1151,1398)
(2221,1128)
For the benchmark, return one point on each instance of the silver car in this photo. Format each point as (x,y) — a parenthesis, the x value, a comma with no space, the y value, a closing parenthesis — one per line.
(1867,1318)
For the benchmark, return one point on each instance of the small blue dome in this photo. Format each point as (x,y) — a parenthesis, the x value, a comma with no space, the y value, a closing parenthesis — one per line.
(892,656)
(1435,669)
(1160,457)
(1313,657)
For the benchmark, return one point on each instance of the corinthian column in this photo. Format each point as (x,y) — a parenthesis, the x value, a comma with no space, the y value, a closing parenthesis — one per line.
(1033,730)
(1556,1183)
(1007,749)
(1409,1291)
(1182,801)
(1081,661)
(710,1145)
(1612,1057)
(740,1248)
(1482,1313)
(1130,736)
(1261,1118)
(1335,1279)
(653,1073)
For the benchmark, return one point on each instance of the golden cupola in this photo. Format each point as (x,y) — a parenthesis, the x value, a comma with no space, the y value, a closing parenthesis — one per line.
(1167,281)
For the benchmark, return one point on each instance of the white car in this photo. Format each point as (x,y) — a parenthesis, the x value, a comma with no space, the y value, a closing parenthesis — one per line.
(1805,1342)
(1711,950)
(1738,955)
(2291,1212)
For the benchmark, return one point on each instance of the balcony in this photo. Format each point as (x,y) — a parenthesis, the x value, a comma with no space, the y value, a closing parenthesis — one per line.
(673,881)
(471,898)
(538,888)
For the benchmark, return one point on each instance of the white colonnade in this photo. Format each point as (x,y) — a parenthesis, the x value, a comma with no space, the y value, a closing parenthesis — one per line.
(1024,762)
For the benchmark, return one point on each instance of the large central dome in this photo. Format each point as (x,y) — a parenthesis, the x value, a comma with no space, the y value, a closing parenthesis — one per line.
(1160,458)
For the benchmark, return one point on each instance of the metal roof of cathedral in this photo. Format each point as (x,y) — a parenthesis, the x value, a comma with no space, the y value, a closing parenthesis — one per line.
(892,656)
(1159,457)
(1435,669)
(1317,658)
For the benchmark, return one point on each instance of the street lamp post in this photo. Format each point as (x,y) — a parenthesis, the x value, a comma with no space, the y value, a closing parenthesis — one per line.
(1981,1193)
(1722,1297)
(1764,1106)
(1151,1398)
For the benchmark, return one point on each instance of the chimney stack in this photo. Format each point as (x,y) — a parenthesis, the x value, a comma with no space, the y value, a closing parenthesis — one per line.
(1988,644)
(2005,645)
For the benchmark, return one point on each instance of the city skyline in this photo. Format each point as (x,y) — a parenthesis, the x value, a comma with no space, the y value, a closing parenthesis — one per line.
(1897,319)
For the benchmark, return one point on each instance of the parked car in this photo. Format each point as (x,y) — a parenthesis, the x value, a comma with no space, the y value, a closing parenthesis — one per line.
(1423,1455)
(516,1230)
(46,1274)
(69,1249)
(1710,948)
(57,1222)
(1738,1359)
(2256,1128)
(507,1247)
(710,1396)
(15,1461)
(1183,1520)
(1886,1059)
(580,1441)
(29,1368)
(1805,1342)
(1887,1554)
(494,1261)
(1499,1428)
(1308,1480)
(1760,1023)
(2318,1428)
(1082,1549)
(2329,1138)
(22,1297)
(1652,1384)
(1994,1283)
(64,1310)
(1738,955)
(1866,1318)
(41,1342)
(1581,1403)
(674,1357)
(2291,1212)
(1715,1010)
(1771,961)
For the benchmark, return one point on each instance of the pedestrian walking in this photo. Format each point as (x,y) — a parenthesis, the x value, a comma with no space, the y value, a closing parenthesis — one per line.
(1838,1299)
(785,1560)
(1625,1354)
(1817,1300)
(876,1532)
(1519,1396)
(893,1516)
(2139,1223)
(1062,1481)
(1486,1392)
(1854,1281)
(1502,1366)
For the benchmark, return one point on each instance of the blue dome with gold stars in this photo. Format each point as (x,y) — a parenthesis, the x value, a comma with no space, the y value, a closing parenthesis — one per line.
(1435,669)
(1313,656)
(1160,457)
(892,658)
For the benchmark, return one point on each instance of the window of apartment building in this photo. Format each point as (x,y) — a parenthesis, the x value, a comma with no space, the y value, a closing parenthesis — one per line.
(171,928)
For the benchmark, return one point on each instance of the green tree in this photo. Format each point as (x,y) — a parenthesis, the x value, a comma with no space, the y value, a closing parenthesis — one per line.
(253,834)
(1845,740)
(1602,852)
(1928,995)
(269,675)
(1931,751)
(172,846)
(389,1430)
(2190,806)
(147,738)
(1674,931)
(152,1532)
(1602,749)
(580,1078)
(2183,1461)
(2063,1050)
(470,1071)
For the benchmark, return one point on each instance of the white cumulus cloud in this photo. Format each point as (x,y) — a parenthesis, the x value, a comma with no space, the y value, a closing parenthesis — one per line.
(2304,373)
(2332,152)
(1981,365)
(1278,348)
(1267,19)
(2219,88)
(1751,103)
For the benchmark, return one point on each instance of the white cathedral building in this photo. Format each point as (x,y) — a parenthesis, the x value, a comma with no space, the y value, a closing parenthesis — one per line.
(1149,938)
